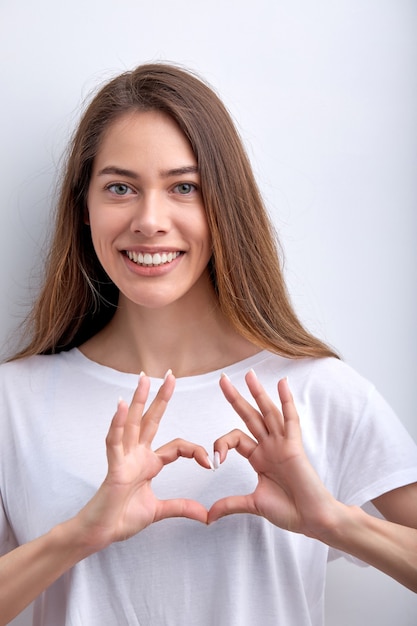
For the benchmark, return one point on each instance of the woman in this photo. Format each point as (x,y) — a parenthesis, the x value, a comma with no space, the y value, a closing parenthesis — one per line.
(163,260)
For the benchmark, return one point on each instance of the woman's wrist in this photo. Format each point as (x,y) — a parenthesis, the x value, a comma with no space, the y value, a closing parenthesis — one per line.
(390,547)
(327,522)
(75,539)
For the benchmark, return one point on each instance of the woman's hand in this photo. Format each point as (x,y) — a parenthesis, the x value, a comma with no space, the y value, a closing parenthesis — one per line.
(289,492)
(123,505)
(291,495)
(125,502)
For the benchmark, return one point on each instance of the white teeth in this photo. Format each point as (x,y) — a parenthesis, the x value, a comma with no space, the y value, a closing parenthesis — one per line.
(152,259)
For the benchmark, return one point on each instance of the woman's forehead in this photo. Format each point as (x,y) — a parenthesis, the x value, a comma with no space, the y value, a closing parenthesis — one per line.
(141,138)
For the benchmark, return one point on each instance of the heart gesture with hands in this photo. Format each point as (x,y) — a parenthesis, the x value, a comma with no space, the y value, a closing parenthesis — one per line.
(289,492)
(125,503)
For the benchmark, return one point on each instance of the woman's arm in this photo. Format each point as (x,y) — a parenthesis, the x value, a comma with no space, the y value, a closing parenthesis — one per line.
(390,547)
(291,495)
(123,505)
(29,569)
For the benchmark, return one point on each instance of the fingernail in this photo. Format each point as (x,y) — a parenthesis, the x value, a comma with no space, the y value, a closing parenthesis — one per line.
(142,374)
(216,460)
(224,375)
(120,400)
(168,373)
(210,462)
(253,372)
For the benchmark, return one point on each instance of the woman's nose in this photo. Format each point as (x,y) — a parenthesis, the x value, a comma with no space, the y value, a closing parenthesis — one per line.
(151,215)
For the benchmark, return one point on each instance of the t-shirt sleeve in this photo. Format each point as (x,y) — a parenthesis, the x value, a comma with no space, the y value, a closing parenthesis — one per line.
(7,538)
(381,454)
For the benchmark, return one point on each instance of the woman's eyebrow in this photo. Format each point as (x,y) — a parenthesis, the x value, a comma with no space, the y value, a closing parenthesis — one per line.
(179,171)
(121,171)
(118,171)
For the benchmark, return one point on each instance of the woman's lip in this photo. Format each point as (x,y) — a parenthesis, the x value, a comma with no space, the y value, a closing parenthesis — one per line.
(152,259)
(164,262)
(151,249)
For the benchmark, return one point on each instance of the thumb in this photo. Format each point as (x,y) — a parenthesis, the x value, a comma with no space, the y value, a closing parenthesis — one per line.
(181,507)
(230,506)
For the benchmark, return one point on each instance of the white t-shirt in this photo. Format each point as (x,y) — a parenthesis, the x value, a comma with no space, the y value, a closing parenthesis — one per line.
(241,570)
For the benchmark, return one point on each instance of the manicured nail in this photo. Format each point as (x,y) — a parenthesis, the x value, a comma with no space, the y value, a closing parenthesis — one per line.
(253,372)
(216,460)
(168,373)
(224,375)
(142,374)
(210,462)
(120,400)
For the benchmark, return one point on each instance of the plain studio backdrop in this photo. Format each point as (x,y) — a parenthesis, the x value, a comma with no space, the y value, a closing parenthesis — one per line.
(325,96)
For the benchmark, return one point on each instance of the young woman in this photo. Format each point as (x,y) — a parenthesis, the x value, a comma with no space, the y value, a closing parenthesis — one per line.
(163,266)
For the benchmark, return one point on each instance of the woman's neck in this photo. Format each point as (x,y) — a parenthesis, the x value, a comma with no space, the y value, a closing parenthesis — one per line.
(189,339)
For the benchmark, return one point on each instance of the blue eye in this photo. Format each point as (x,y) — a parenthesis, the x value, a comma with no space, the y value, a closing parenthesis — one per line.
(185,188)
(119,189)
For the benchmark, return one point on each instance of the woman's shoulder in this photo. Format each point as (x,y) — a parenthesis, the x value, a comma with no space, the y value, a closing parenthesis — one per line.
(23,369)
(326,386)
(325,373)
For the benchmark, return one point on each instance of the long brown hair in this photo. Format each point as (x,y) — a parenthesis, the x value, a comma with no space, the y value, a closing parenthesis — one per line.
(78,299)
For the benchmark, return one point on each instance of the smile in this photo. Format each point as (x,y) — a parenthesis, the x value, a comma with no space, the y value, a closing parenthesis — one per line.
(153,260)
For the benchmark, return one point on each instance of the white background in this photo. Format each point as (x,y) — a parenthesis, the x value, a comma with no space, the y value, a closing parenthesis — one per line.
(325,95)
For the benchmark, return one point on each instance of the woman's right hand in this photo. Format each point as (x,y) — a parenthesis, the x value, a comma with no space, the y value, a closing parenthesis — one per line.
(125,503)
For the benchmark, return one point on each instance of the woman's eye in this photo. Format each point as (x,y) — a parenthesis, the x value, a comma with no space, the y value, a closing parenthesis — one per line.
(119,189)
(185,188)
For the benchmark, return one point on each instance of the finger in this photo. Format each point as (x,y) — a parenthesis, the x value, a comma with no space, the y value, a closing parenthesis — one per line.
(181,507)
(253,420)
(230,506)
(114,439)
(135,413)
(271,413)
(289,411)
(237,440)
(171,451)
(152,417)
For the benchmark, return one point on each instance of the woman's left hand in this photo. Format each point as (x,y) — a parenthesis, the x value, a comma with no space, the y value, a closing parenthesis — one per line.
(289,493)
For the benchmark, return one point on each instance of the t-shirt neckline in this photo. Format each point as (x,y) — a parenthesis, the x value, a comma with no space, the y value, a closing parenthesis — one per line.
(105,372)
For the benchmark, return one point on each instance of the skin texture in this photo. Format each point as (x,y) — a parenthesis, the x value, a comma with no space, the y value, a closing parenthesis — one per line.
(125,503)
(286,477)
(145,197)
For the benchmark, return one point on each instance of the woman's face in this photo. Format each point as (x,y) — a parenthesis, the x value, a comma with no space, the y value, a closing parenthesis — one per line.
(145,211)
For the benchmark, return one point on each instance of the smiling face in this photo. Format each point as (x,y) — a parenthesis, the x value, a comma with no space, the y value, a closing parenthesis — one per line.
(146,214)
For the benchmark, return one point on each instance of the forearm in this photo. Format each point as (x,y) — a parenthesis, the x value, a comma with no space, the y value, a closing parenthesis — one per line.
(391,548)
(29,569)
